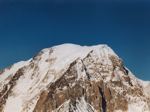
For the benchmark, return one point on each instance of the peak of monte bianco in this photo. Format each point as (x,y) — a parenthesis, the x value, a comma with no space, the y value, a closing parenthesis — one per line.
(73,78)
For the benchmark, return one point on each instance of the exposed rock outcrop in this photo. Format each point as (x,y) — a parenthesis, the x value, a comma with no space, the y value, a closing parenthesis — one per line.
(71,78)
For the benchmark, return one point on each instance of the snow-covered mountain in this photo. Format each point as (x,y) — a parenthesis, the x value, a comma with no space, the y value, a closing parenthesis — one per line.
(73,78)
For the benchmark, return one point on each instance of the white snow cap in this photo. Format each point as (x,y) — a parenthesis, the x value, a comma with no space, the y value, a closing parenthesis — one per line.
(67,53)
(73,50)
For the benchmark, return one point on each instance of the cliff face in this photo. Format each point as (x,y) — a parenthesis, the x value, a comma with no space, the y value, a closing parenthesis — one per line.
(71,78)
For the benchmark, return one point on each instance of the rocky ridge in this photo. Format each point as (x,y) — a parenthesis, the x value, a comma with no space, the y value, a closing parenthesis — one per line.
(73,78)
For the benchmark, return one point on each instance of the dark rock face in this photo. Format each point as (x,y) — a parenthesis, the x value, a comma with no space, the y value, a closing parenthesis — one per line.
(98,94)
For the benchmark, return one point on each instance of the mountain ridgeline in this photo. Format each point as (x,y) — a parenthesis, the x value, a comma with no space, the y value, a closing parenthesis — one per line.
(73,78)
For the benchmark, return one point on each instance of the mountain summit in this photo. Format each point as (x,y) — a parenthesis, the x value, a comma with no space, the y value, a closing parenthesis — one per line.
(73,78)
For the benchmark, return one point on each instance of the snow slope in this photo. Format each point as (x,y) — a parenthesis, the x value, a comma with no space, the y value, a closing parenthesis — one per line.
(47,67)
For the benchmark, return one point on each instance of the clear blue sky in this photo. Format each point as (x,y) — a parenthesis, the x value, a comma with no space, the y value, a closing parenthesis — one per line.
(27,26)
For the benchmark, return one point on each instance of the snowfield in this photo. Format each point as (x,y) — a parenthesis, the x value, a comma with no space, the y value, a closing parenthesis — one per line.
(38,73)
